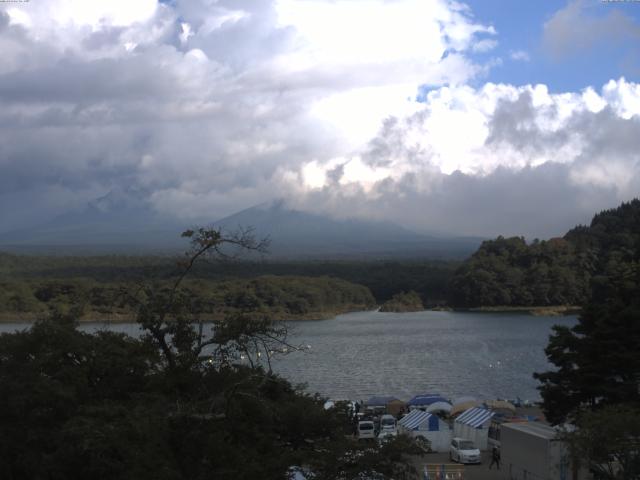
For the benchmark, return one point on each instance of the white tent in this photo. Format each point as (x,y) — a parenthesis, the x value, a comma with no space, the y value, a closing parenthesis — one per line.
(423,424)
(473,424)
(444,407)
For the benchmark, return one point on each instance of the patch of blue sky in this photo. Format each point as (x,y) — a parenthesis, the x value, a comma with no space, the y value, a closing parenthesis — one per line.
(523,55)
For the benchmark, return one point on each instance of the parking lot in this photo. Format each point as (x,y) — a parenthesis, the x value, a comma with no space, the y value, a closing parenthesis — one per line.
(471,472)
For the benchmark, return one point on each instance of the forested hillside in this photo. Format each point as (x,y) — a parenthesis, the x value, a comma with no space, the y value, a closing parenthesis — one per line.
(510,272)
(285,297)
(22,275)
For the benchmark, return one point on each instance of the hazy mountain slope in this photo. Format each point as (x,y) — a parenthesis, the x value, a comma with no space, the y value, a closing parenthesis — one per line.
(121,222)
(296,233)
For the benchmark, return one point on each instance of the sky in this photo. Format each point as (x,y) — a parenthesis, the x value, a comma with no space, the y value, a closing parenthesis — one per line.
(483,117)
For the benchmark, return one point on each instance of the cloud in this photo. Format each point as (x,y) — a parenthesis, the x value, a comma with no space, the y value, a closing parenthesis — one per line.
(581,26)
(498,159)
(519,55)
(209,107)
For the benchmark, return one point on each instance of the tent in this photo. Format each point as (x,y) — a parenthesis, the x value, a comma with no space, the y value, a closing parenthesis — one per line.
(395,406)
(464,399)
(391,405)
(501,405)
(423,424)
(460,407)
(425,400)
(473,424)
(444,407)
(379,401)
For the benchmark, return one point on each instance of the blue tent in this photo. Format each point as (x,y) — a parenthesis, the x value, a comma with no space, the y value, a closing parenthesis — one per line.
(418,420)
(425,400)
(429,426)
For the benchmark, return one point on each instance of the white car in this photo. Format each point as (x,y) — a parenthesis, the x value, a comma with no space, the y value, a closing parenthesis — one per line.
(464,451)
(366,429)
(387,436)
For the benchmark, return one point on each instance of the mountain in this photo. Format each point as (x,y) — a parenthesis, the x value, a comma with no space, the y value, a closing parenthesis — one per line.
(122,222)
(300,234)
(119,222)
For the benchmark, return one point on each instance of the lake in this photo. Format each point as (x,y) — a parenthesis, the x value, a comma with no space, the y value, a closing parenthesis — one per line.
(357,355)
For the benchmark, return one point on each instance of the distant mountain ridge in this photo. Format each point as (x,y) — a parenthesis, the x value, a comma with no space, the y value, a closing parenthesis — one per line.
(294,233)
(122,222)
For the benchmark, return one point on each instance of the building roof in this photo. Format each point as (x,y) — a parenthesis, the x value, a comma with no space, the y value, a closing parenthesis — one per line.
(475,417)
(534,428)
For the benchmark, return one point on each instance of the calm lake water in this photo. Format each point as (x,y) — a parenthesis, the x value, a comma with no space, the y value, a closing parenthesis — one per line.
(361,354)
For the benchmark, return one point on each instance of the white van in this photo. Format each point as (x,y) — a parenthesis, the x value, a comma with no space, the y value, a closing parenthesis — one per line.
(366,429)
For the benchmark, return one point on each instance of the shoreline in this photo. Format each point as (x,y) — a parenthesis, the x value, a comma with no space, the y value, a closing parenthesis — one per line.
(119,318)
(535,311)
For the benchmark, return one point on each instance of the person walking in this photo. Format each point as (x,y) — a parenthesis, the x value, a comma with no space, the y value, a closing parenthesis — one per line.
(495,458)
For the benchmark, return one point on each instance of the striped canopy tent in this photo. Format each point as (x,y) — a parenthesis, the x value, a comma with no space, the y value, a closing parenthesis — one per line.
(475,417)
(444,407)
(472,424)
(460,407)
(425,400)
(429,426)
(419,420)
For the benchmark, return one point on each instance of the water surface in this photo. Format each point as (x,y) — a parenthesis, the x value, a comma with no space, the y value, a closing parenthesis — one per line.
(488,355)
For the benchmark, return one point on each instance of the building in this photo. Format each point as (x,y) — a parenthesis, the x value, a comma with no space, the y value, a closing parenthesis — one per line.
(532,451)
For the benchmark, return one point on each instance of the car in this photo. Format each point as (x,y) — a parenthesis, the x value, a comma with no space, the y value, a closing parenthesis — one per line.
(463,450)
(387,423)
(366,429)
(387,436)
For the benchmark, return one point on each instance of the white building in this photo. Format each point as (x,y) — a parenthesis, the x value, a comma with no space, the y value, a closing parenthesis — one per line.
(532,451)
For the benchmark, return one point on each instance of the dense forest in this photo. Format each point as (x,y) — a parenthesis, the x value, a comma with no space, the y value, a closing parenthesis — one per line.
(31,285)
(403,302)
(285,297)
(510,272)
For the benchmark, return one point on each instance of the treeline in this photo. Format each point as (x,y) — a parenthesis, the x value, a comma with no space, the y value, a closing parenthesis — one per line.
(284,297)
(510,272)
(403,302)
(384,279)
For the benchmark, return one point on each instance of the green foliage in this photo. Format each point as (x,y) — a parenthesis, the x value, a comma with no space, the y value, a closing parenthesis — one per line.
(598,361)
(285,297)
(510,272)
(403,302)
(383,278)
(174,404)
(609,440)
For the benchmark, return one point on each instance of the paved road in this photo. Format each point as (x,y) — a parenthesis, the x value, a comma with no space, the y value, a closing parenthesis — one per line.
(471,472)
